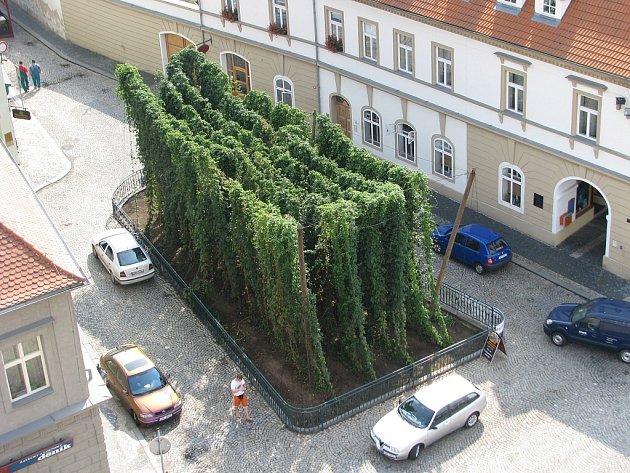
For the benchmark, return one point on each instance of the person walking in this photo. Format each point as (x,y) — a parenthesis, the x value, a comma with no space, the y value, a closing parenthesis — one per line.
(239,397)
(23,73)
(35,70)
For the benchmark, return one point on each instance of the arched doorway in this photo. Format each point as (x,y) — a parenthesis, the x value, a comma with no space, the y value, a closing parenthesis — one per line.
(172,43)
(341,114)
(581,219)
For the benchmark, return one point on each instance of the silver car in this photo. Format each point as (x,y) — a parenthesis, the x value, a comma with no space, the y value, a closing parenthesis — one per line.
(431,413)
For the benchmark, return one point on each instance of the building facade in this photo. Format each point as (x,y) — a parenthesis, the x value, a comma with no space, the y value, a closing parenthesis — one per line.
(50,391)
(532,94)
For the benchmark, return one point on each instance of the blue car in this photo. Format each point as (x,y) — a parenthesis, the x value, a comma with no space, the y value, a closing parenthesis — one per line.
(475,245)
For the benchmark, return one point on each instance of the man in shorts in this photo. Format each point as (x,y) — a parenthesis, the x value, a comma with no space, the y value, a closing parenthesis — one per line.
(239,397)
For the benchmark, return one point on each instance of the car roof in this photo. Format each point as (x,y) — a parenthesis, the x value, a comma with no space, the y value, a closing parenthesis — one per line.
(614,308)
(444,391)
(132,359)
(119,239)
(484,234)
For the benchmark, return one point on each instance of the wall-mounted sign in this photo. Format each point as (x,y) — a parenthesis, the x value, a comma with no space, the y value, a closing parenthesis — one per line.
(37,457)
(21,113)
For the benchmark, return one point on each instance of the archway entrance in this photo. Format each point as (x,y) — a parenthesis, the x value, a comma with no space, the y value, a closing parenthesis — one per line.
(173,43)
(581,215)
(340,113)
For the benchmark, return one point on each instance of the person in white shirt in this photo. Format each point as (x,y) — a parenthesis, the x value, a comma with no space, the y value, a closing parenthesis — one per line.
(239,397)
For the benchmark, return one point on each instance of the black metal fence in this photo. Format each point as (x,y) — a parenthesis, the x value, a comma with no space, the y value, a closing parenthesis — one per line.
(316,418)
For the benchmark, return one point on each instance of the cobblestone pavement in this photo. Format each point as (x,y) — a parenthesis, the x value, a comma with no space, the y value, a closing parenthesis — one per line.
(549,409)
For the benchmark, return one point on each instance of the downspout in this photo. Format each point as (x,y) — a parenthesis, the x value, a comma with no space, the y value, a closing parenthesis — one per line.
(319,98)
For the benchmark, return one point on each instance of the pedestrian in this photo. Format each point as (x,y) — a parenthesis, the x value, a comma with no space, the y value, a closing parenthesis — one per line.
(35,70)
(239,397)
(23,72)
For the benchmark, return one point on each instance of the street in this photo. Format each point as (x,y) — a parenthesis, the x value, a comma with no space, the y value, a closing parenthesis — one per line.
(549,409)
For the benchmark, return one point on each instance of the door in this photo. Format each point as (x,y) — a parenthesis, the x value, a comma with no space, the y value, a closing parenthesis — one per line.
(175,43)
(342,115)
(587,330)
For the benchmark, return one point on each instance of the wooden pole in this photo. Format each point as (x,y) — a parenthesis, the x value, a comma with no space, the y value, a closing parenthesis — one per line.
(307,324)
(451,241)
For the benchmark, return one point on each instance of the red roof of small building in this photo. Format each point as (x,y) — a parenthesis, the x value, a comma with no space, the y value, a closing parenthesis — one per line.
(592,33)
(27,273)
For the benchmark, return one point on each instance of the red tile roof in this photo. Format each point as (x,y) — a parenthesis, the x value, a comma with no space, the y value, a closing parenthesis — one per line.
(592,33)
(27,273)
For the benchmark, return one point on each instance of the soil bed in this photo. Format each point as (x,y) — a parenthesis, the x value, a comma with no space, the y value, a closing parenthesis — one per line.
(262,349)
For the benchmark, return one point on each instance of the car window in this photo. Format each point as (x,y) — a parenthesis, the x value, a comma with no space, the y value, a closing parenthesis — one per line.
(416,413)
(442,415)
(109,253)
(590,323)
(146,382)
(473,245)
(622,328)
(103,245)
(497,245)
(580,311)
(459,238)
(132,256)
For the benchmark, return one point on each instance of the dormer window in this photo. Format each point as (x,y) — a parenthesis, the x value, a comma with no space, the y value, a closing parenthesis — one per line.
(549,7)
(550,11)
(513,7)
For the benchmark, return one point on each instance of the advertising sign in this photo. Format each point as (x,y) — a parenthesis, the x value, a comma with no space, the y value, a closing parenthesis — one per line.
(37,457)
(494,341)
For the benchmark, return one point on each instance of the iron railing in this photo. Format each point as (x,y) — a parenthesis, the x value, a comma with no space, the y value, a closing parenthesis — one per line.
(316,418)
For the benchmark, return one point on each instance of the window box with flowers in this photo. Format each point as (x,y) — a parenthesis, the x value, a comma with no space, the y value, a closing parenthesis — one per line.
(276,29)
(229,14)
(334,44)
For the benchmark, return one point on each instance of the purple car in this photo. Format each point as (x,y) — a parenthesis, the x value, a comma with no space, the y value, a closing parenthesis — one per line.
(475,245)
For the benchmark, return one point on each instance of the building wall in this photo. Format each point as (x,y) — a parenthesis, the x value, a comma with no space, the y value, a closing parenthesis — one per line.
(87,455)
(47,12)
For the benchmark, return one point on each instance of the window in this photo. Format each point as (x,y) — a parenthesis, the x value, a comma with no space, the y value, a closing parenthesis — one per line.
(515,92)
(444,66)
(24,368)
(588,113)
(230,10)
(588,323)
(280,13)
(335,25)
(237,68)
(405,52)
(283,90)
(405,142)
(442,158)
(372,128)
(511,186)
(549,7)
(370,41)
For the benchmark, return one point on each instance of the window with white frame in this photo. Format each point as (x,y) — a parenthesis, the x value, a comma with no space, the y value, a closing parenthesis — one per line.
(515,92)
(24,367)
(280,13)
(405,142)
(370,40)
(549,7)
(237,68)
(588,114)
(335,24)
(372,128)
(511,186)
(283,90)
(405,52)
(444,66)
(442,158)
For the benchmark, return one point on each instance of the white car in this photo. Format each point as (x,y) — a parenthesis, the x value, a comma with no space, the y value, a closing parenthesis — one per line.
(431,413)
(125,260)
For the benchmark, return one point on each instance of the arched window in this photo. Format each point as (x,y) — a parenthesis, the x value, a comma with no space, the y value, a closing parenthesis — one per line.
(405,142)
(371,128)
(443,158)
(283,88)
(237,68)
(511,185)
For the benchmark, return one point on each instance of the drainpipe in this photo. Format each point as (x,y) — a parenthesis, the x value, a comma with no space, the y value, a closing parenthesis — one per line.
(319,98)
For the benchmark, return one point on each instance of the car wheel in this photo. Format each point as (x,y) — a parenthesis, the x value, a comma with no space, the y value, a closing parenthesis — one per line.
(558,339)
(135,418)
(414,452)
(625,356)
(479,268)
(437,247)
(472,420)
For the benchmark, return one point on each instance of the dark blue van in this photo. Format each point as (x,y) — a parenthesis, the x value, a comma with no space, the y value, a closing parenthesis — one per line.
(601,322)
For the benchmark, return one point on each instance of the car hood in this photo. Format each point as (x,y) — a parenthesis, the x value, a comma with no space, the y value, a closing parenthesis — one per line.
(562,313)
(158,400)
(396,431)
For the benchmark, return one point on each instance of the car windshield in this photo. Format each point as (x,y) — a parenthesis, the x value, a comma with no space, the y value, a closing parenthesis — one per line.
(580,311)
(146,382)
(132,256)
(497,245)
(416,413)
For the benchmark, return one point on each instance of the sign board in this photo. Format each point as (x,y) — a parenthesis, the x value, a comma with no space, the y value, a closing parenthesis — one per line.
(21,113)
(494,341)
(37,457)
(3,47)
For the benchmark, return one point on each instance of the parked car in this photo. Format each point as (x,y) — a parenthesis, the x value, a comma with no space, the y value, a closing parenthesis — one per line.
(475,245)
(600,322)
(431,413)
(125,260)
(144,390)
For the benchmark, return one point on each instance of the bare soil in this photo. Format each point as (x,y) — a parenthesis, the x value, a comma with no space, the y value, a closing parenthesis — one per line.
(262,349)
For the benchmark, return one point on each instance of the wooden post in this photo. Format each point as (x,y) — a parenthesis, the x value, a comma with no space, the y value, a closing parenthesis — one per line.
(314,126)
(451,241)
(307,324)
